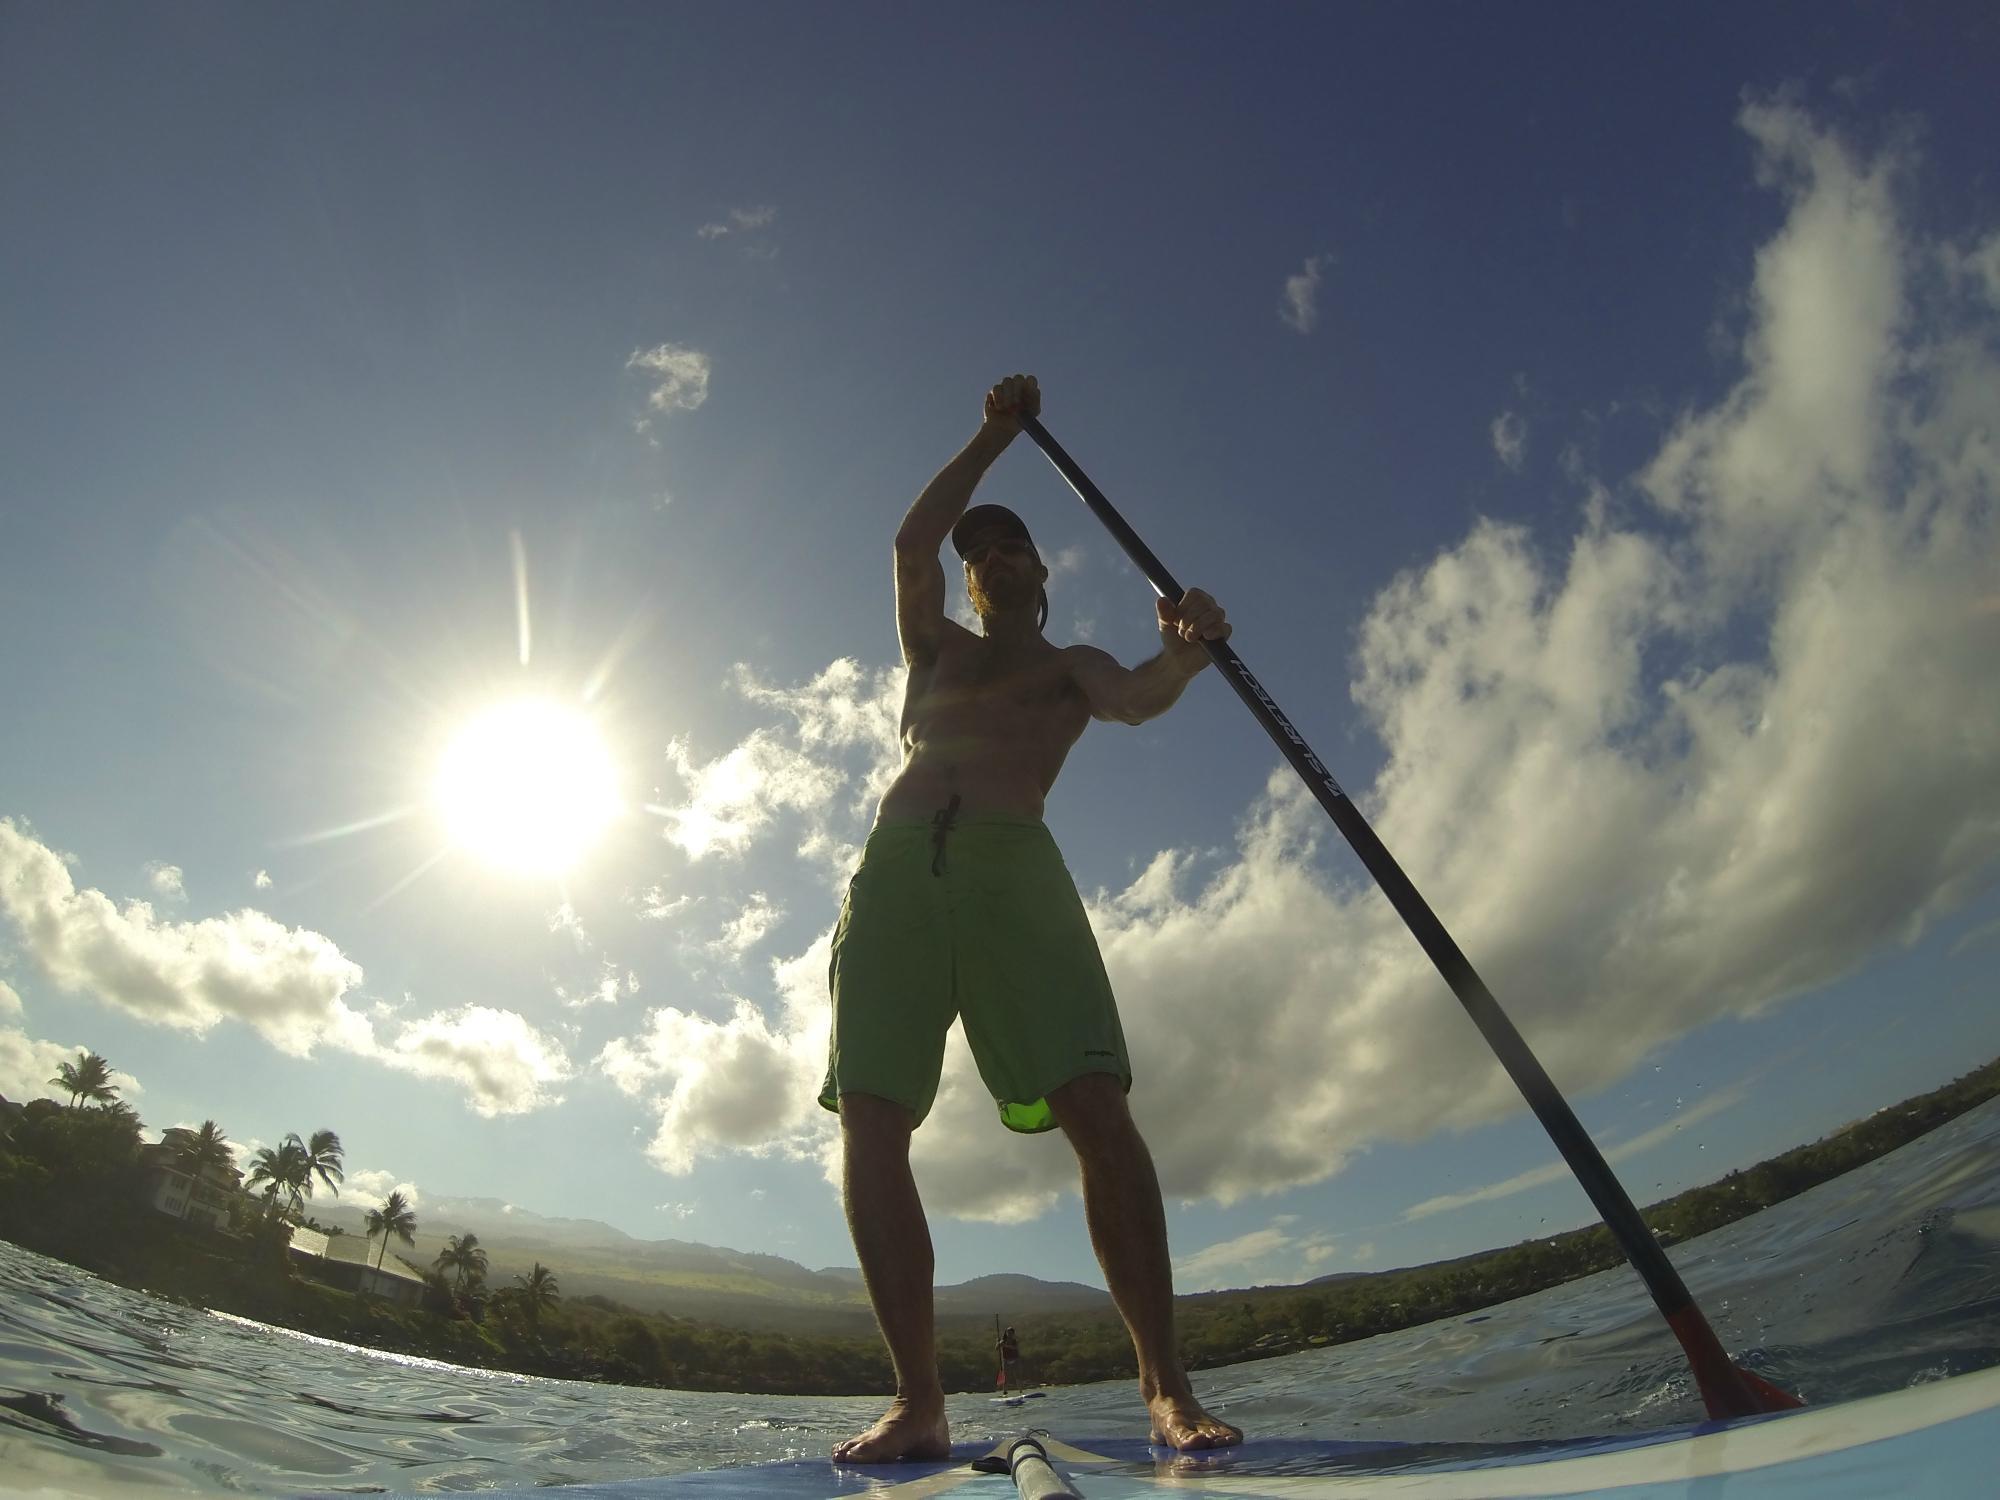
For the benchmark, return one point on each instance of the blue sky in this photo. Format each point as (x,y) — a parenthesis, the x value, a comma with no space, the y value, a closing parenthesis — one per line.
(1588,419)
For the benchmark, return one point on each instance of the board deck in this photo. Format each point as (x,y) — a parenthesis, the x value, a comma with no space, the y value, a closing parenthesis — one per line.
(1935,1439)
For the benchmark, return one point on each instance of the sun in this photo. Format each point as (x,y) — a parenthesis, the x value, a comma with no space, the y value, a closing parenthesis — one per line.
(528,786)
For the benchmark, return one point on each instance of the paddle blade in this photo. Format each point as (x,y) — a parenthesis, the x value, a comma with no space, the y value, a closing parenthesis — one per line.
(1733,1391)
(1727,1389)
(1772,1397)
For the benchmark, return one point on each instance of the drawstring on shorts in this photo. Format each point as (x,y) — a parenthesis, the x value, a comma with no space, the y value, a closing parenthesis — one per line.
(942,822)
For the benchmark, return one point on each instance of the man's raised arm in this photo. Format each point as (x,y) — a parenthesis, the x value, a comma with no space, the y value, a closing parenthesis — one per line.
(1132,695)
(919,575)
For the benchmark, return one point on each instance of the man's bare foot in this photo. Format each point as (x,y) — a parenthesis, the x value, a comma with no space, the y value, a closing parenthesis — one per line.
(1179,1422)
(909,1429)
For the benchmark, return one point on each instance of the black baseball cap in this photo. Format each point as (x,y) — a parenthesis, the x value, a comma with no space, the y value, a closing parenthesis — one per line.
(982,519)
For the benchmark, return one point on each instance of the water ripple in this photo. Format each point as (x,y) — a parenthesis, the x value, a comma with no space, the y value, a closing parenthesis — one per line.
(1887,1277)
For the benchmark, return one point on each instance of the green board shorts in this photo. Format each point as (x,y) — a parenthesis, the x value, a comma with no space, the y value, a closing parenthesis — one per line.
(972,915)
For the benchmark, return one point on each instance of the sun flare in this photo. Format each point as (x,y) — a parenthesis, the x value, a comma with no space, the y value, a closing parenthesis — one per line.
(528,786)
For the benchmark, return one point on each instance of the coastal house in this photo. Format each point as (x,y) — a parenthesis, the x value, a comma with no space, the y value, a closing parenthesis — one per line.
(347,1261)
(172,1189)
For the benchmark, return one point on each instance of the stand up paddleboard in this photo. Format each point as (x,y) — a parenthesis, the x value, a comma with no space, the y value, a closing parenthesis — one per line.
(1932,1440)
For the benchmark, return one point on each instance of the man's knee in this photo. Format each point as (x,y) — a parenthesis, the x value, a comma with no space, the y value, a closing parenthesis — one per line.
(1092,1111)
(869,1120)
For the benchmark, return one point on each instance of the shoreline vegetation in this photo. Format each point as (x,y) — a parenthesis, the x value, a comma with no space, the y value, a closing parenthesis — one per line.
(78,1182)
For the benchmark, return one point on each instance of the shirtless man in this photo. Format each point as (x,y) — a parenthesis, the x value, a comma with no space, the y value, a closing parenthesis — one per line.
(962,905)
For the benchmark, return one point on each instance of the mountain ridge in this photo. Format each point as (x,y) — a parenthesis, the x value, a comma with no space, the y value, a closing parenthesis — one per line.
(687,1278)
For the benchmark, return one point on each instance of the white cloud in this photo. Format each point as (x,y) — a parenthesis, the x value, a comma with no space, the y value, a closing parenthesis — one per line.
(289,984)
(564,919)
(1977,269)
(833,761)
(1510,439)
(1627,858)
(261,880)
(27,1065)
(655,905)
(1299,309)
(1558,1170)
(242,1151)
(1801,444)
(740,221)
(1980,936)
(370,1185)
(1735,736)
(748,1083)
(678,375)
(166,881)
(850,716)
(611,985)
(1066,562)
(1198,1269)
(732,798)
(1262,1256)
(748,927)
(846,707)
(505,1065)
(737,1084)
(10,1001)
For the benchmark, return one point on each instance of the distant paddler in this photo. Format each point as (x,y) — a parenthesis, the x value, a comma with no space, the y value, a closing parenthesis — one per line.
(1006,1348)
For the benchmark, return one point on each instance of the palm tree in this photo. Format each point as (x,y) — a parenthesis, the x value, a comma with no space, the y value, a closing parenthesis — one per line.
(396,1217)
(283,1169)
(195,1151)
(438,1296)
(322,1155)
(463,1258)
(89,1077)
(535,1291)
(125,1114)
(291,1167)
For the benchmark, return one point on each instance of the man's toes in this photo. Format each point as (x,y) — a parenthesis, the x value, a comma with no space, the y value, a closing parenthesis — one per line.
(1190,1436)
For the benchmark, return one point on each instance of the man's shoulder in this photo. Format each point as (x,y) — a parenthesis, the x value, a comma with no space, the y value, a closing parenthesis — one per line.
(952,642)
(1079,654)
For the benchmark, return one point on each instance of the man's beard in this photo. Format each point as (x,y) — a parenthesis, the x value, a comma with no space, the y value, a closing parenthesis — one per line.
(1014,590)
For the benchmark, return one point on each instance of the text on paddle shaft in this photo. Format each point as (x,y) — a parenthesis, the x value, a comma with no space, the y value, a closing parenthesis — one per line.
(1285,724)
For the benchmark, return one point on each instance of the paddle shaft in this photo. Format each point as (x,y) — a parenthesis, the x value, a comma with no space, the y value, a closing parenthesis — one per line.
(1585,1160)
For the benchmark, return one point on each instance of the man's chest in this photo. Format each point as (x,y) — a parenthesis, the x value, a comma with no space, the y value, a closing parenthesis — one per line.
(981,681)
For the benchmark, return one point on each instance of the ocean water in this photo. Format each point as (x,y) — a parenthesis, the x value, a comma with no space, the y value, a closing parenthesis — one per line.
(1885,1278)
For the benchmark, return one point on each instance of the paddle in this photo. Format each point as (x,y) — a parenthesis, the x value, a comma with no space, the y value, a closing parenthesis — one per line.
(1727,1389)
